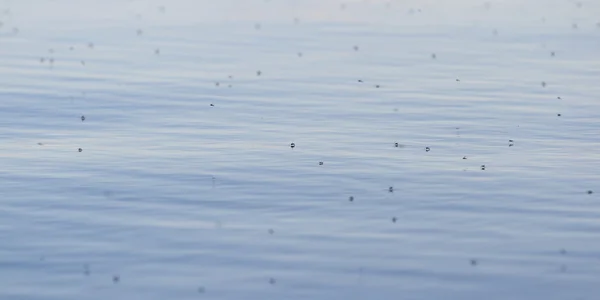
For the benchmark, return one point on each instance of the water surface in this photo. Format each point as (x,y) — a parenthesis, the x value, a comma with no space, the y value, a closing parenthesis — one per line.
(186,186)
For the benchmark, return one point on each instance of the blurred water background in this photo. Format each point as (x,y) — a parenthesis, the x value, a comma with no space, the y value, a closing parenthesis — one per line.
(442,149)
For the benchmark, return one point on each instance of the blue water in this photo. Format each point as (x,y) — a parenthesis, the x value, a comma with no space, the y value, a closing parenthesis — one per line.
(186,186)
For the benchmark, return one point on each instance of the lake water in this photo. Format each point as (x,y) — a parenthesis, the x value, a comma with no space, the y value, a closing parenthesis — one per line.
(187,187)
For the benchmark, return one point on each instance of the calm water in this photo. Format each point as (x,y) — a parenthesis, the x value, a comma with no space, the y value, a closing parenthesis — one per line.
(186,186)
